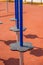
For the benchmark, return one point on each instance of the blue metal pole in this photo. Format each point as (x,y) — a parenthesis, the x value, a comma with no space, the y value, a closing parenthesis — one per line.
(21,22)
(16,12)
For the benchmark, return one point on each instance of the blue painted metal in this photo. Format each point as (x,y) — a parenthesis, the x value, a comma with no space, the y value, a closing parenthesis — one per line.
(16,8)
(21,22)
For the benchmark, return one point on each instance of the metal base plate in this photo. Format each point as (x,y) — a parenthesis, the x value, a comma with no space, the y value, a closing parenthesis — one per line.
(1,22)
(16,46)
(12,19)
(15,29)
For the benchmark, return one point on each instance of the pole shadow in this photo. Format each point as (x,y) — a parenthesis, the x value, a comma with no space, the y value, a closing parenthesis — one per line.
(32,36)
(9,41)
(37,52)
(10,61)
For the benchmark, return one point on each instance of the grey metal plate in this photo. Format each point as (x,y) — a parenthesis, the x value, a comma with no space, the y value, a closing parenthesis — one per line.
(15,29)
(12,19)
(16,46)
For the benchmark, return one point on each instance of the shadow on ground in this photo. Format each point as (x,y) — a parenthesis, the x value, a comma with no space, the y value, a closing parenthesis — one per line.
(8,42)
(32,36)
(37,52)
(10,61)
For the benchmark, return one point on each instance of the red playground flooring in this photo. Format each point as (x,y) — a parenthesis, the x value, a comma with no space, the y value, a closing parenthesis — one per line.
(33,21)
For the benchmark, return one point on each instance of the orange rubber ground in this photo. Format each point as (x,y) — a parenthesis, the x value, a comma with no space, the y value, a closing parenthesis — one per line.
(33,21)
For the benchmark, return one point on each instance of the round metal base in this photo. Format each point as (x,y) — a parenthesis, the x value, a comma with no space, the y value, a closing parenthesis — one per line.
(17,47)
(12,19)
(1,22)
(15,29)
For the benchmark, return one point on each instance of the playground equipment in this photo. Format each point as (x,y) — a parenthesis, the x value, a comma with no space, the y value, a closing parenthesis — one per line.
(20,45)
(16,28)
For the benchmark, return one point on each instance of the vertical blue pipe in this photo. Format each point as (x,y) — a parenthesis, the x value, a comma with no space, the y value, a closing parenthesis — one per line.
(16,12)
(21,22)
